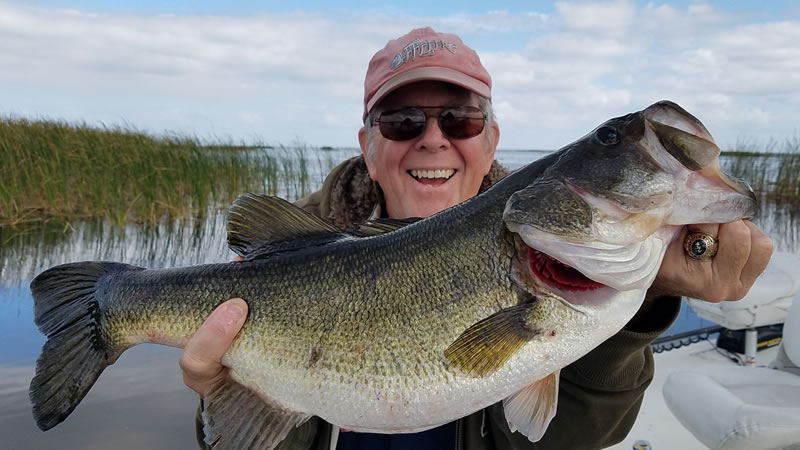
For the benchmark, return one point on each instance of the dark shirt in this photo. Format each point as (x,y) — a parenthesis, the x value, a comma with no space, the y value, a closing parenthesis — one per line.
(442,437)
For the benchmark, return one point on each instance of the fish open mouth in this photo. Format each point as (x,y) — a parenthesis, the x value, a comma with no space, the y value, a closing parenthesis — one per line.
(559,275)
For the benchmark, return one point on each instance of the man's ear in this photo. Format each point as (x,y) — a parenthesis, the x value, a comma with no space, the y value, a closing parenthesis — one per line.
(495,141)
(362,141)
(495,136)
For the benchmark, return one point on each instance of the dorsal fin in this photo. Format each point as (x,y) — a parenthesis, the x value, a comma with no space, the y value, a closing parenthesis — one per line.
(380,226)
(259,225)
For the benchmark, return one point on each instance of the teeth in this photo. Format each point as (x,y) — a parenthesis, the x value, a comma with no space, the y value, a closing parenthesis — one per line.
(439,173)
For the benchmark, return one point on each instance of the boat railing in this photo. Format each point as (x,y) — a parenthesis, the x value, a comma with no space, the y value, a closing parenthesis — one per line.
(673,341)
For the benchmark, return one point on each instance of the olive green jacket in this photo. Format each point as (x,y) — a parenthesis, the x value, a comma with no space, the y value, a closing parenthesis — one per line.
(599,395)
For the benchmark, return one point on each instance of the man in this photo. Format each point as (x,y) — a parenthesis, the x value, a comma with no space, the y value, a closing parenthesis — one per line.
(428,143)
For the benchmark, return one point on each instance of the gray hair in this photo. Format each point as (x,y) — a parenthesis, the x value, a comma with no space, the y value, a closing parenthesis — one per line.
(484,104)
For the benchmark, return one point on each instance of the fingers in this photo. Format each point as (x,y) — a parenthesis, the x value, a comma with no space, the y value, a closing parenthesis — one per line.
(741,260)
(743,254)
(761,248)
(203,352)
(711,229)
(685,275)
(733,254)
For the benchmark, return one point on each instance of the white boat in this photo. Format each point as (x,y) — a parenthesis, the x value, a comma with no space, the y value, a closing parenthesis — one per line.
(705,397)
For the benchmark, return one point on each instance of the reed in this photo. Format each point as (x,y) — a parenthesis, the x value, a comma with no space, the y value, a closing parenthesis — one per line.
(53,169)
(772,169)
(787,181)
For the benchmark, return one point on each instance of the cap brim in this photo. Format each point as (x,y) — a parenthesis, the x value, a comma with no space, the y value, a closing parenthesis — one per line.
(429,74)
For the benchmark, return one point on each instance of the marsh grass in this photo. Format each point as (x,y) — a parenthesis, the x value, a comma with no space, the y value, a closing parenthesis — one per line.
(773,170)
(56,170)
(787,182)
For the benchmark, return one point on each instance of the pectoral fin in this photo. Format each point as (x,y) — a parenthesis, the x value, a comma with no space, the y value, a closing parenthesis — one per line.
(530,410)
(486,346)
(237,418)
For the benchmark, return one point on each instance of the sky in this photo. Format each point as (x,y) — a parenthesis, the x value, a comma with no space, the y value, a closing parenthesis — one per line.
(286,73)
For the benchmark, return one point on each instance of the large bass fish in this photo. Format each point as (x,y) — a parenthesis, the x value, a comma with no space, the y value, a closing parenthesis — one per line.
(389,328)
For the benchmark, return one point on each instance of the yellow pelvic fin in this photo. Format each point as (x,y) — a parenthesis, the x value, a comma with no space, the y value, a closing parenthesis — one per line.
(487,345)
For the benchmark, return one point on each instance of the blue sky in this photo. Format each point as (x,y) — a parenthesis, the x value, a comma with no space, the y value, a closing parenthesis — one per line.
(289,72)
(771,7)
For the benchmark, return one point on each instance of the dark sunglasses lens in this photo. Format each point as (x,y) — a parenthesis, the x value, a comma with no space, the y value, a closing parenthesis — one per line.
(402,124)
(462,122)
(408,123)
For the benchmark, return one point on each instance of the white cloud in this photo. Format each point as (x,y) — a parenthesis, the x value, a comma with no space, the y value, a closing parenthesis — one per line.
(284,76)
(597,17)
(741,78)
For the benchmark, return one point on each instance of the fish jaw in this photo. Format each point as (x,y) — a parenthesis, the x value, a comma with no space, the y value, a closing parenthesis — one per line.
(712,196)
(632,266)
(682,146)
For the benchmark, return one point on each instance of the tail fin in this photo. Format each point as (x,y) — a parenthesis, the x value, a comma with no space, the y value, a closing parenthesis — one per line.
(68,309)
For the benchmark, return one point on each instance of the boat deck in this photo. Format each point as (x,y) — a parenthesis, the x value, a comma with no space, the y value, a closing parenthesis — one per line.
(655,422)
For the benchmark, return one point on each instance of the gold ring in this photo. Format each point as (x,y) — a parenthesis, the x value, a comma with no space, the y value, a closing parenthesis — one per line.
(700,246)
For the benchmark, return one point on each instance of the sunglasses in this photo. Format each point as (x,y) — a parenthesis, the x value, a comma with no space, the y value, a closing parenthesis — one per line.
(456,122)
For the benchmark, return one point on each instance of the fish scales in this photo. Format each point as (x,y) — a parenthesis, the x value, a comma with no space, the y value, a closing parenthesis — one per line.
(341,335)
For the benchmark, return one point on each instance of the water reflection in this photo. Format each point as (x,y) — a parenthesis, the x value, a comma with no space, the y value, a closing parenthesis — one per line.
(781,222)
(27,250)
(141,403)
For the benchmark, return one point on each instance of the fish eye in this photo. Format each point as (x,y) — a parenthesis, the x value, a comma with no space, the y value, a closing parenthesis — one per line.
(607,135)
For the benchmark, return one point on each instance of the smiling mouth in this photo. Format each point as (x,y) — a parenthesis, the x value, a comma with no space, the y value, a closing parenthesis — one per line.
(559,275)
(435,177)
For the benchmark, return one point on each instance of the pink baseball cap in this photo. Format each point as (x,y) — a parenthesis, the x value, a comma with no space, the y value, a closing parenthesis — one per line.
(424,54)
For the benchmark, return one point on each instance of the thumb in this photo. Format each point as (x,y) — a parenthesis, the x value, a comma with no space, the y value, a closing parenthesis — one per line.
(203,352)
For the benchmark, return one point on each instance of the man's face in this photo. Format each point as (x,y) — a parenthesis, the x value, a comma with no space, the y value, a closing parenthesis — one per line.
(426,174)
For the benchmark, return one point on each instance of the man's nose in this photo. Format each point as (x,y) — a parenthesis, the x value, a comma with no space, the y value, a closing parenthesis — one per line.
(432,138)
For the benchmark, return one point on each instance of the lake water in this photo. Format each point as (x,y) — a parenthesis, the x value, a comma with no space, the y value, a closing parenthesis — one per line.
(141,402)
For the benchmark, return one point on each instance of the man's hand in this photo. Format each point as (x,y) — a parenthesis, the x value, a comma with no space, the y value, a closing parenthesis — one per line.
(200,363)
(744,251)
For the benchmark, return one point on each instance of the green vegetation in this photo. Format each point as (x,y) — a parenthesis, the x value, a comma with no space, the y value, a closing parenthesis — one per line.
(772,170)
(55,170)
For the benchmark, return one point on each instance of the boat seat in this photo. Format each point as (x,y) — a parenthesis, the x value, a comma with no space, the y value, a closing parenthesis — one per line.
(745,408)
(767,303)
